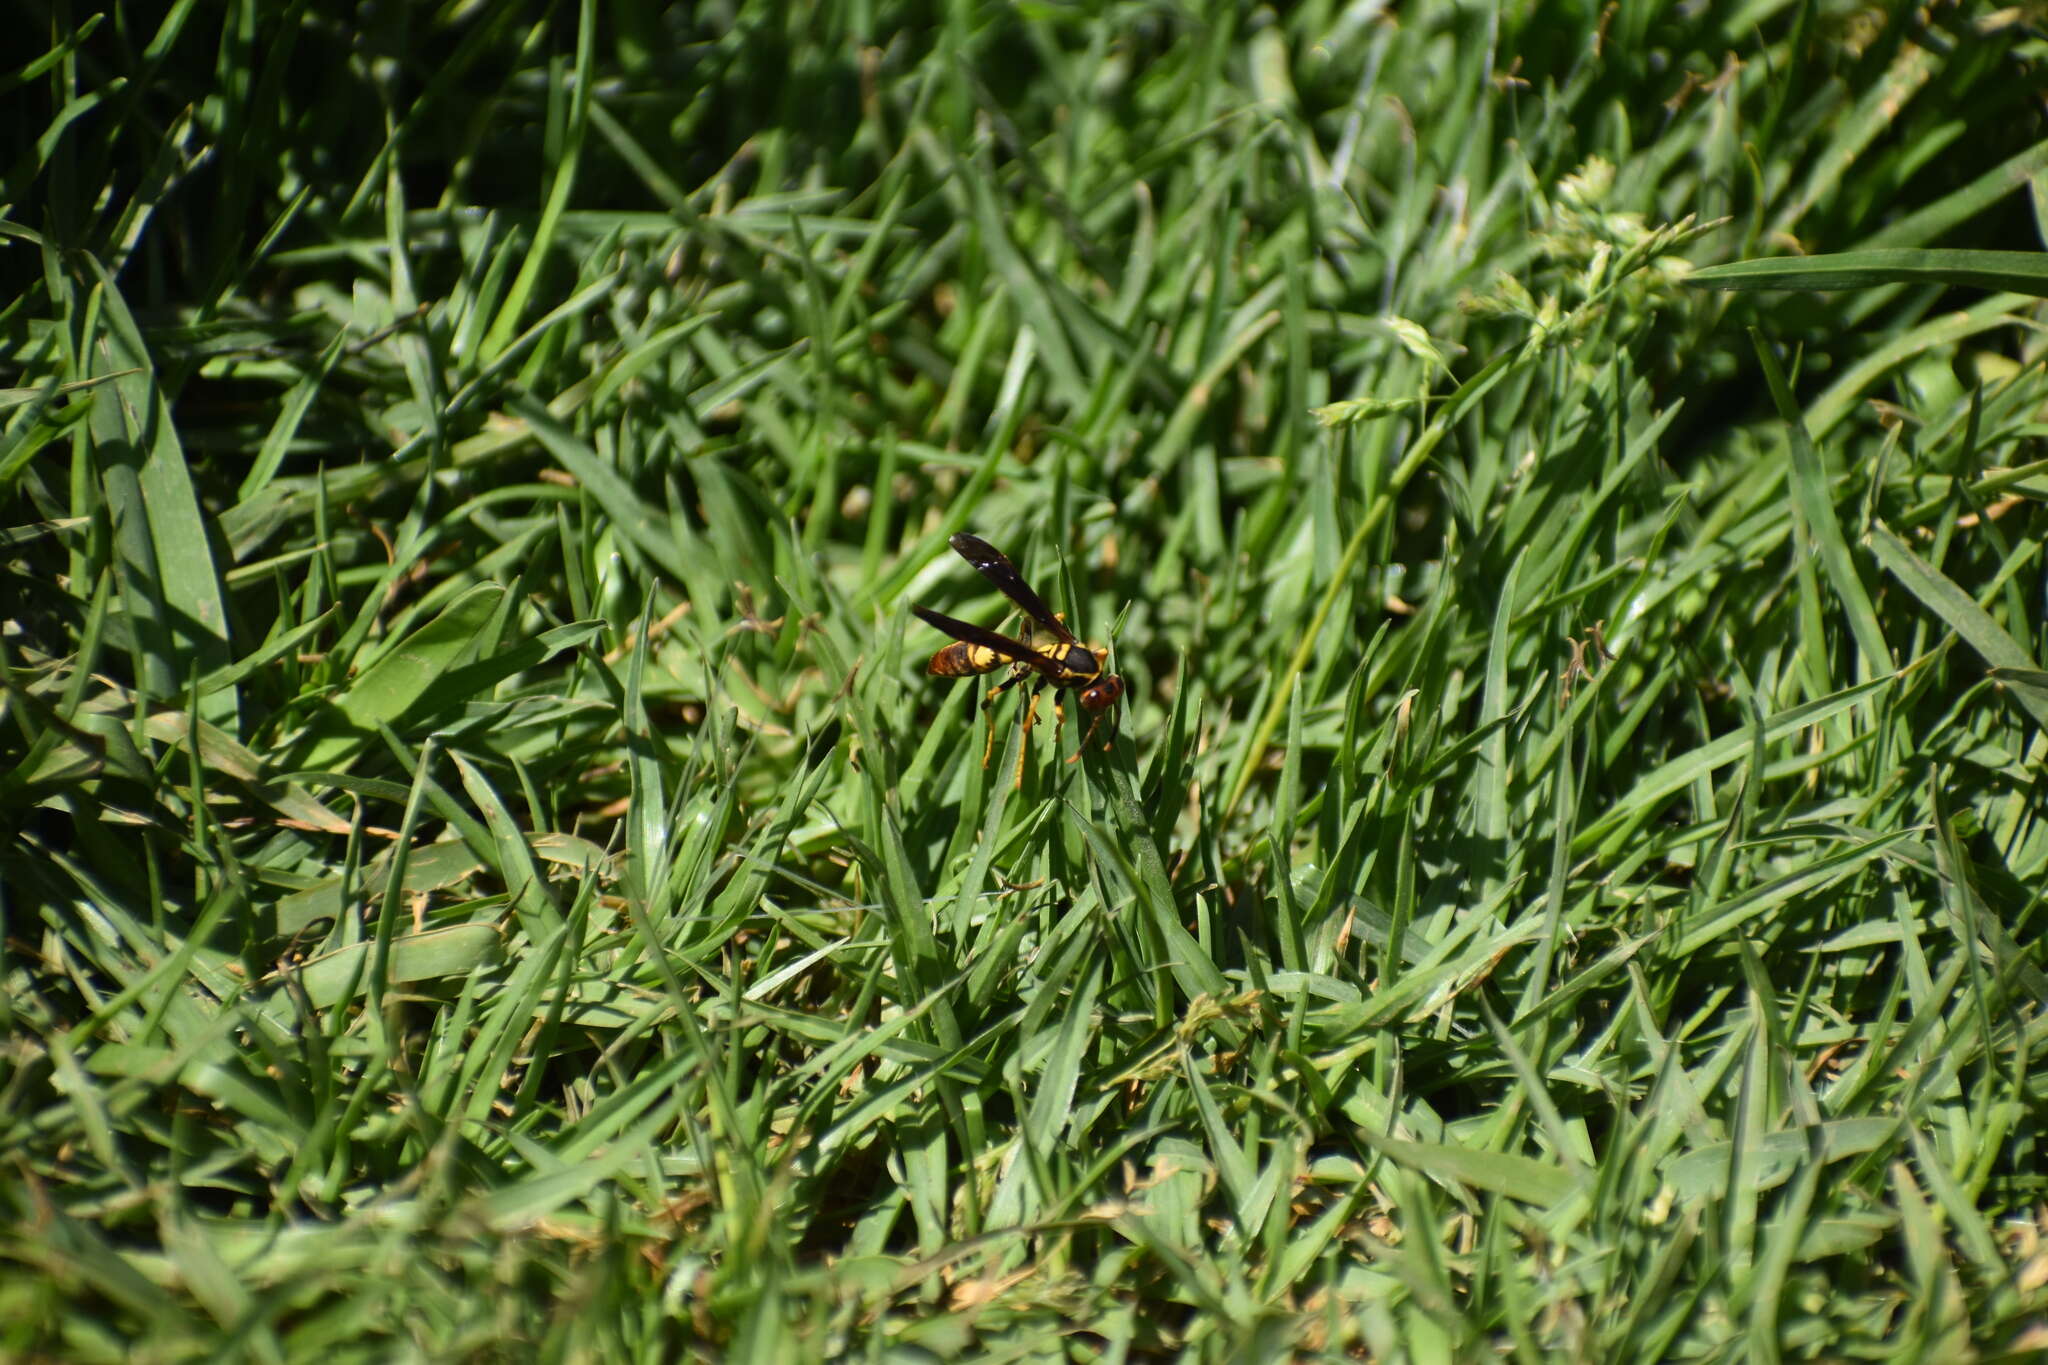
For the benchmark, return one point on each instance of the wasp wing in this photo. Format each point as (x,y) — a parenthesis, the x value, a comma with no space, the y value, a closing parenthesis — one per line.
(1016,651)
(996,567)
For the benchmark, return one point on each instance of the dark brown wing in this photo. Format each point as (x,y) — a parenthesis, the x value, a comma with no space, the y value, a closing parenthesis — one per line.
(997,569)
(1013,650)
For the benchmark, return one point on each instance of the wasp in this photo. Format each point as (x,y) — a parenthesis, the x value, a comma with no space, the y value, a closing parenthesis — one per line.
(1046,654)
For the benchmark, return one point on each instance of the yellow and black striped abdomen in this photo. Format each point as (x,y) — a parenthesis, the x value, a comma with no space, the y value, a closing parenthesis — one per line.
(964,661)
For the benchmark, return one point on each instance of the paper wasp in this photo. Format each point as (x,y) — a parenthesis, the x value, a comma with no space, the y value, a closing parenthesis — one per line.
(1060,661)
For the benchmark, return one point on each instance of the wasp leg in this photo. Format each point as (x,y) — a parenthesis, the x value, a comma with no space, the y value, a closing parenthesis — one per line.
(1059,708)
(988,749)
(1030,718)
(1106,744)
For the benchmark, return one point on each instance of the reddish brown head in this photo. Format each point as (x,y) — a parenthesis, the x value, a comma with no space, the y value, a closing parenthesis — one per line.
(1106,691)
(1103,693)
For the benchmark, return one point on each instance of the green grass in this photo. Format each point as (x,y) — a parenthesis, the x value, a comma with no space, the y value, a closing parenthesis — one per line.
(484,876)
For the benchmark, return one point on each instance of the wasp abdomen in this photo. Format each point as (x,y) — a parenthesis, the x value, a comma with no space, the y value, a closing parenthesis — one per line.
(964,661)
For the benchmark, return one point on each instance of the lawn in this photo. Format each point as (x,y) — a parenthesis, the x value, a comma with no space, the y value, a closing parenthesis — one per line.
(485,873)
